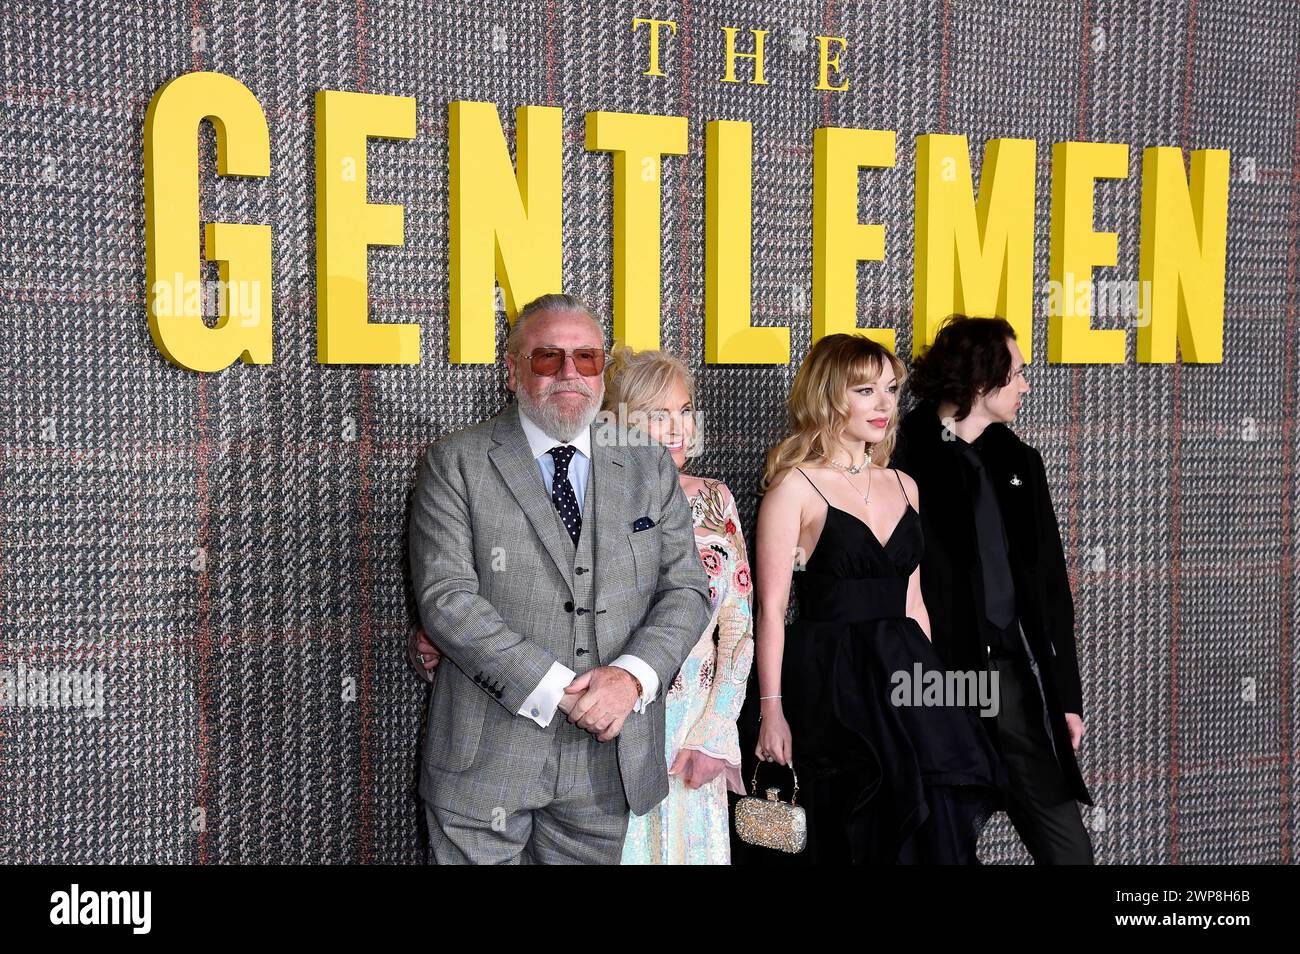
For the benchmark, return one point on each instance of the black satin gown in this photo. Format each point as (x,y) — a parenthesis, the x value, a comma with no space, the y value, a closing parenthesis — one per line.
(882,784)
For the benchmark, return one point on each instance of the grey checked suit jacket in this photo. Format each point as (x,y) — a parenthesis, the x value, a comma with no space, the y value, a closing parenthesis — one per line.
(492,574)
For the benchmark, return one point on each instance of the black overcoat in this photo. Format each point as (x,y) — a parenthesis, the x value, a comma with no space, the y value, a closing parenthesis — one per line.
(951,578)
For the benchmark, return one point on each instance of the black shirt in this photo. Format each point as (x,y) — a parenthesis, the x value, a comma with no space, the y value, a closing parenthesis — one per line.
(998,624)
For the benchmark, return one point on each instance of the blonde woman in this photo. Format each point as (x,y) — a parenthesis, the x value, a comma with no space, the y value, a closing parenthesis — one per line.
(655,392)
(884,780)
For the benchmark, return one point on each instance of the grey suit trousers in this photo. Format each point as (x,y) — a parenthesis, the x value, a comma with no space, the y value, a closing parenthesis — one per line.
(576,813)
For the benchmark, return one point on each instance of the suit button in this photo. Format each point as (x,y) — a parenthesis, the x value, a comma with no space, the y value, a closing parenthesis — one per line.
(581,610)
(580,570)
(568,606)
(581,652)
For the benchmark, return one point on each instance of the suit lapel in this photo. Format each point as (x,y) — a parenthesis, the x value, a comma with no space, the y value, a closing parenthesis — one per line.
(608,489)
(514,460)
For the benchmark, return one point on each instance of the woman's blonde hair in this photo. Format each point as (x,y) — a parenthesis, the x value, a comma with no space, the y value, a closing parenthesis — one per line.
(817,409)
(637,379)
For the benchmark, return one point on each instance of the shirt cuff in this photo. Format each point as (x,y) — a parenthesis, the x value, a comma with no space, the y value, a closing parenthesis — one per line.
(545,699)
(648,677)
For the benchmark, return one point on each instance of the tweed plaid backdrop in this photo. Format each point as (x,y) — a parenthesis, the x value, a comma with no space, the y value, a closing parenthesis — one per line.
(228,550)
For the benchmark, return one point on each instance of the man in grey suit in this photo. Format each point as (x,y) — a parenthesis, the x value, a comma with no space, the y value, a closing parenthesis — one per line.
(555,567)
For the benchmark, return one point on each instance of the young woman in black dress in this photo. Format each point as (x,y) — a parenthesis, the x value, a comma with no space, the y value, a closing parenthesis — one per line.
(882,783)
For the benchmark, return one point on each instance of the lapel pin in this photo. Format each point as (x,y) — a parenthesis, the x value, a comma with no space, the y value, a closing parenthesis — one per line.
(1016,481)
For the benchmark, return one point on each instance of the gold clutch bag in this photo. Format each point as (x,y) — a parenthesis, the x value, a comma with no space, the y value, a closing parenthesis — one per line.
(769,822)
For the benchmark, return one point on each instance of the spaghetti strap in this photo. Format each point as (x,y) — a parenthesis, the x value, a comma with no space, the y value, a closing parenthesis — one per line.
(900,487)
(814,486)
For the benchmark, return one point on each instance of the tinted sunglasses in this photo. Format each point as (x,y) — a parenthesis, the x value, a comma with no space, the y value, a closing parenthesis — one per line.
(588,362)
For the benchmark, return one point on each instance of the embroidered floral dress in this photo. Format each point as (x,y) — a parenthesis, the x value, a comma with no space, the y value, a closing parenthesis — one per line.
(692,826)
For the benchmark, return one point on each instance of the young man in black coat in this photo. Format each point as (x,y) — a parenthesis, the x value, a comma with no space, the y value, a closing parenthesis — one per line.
(994,574)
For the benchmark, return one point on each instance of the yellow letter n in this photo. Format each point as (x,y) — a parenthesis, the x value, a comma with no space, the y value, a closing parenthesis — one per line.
(504,227)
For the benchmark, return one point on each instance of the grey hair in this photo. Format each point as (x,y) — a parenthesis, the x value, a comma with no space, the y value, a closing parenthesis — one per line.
(552,302)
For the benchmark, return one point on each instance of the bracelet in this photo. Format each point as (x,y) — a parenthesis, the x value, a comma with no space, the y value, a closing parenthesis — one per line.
(761,698)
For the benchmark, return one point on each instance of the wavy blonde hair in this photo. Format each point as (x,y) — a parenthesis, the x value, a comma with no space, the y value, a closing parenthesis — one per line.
(817,409)
(637,379)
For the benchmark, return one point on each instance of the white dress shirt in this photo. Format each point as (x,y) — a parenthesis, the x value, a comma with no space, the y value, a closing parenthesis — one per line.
(540,706)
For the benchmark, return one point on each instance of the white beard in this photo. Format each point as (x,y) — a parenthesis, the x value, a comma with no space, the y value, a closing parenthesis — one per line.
(553,419)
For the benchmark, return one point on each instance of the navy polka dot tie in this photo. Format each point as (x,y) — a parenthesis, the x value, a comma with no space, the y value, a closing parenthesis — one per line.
(562,495)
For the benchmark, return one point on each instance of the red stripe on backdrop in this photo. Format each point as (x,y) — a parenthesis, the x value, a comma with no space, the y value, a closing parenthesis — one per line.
(1288,476)
(550,55)
(363,42)
(364,454)
(203,643)
(1085,67)
(7,411)
(828,20)
(683,198)
(943,71)
(1176,495)
(1075,429)
(365,450)
(203,638)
